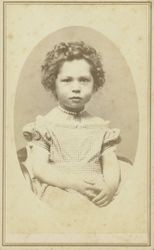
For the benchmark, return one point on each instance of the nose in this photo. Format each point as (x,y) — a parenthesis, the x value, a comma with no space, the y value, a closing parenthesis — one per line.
(76,88)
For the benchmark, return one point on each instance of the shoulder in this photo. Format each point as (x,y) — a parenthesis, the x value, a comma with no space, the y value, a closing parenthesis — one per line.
(110,135)
(40,127)
(54,116)
(41,120)
(96,121)
(37,129)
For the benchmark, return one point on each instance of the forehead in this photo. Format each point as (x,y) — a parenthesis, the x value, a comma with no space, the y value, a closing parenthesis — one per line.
(75,68)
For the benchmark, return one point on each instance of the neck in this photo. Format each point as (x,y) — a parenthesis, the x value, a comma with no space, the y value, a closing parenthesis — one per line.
(70,112)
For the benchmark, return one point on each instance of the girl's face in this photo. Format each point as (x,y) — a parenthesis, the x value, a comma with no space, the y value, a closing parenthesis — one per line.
(74,85)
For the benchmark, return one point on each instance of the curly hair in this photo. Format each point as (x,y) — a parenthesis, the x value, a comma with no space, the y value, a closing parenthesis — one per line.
(67,52)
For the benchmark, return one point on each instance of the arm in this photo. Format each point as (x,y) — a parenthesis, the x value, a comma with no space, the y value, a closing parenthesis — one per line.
(110,182)
(46,172)
(111,170)
(37,163)
(49,173)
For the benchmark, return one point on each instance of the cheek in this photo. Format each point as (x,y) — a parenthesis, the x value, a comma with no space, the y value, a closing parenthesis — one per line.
(88,94)
(61,93)
(90,89)
(58,89)
(57,92)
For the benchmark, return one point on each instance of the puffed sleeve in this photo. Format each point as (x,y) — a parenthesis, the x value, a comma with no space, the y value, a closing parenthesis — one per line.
(38,133)
(110,140)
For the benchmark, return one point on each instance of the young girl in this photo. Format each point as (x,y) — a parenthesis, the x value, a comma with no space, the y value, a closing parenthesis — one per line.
(68,148)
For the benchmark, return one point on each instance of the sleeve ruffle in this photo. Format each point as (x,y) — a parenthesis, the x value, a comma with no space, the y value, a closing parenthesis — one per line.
(38,133)
(111,139)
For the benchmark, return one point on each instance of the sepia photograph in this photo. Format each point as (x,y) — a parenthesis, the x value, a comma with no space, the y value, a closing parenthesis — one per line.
(76,144)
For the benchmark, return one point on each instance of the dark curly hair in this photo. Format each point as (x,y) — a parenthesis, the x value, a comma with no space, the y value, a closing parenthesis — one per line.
(67,52)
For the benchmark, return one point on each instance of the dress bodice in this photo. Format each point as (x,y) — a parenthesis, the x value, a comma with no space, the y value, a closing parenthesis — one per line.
(71,138)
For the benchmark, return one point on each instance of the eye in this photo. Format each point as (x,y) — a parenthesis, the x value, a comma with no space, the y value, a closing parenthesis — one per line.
(66,80)
(84,79)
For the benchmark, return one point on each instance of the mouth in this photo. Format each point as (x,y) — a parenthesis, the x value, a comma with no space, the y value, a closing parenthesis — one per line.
(75,98)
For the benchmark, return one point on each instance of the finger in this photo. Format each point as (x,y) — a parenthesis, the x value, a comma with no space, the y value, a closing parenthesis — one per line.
(90,195)
(94,188)
(91,182)
(104,204)
(99,197)
(101,201)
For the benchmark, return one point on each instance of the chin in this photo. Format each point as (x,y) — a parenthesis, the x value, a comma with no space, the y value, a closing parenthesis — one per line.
(75,108)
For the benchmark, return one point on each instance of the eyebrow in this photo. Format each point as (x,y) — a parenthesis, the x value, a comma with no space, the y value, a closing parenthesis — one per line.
(66,78)
(83,76)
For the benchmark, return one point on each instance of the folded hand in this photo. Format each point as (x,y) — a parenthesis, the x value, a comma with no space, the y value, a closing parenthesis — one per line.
(102,192)
(104,197)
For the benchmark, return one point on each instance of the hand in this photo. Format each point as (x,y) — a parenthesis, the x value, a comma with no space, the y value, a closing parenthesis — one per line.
(84,185)
(86,188)
(104,197)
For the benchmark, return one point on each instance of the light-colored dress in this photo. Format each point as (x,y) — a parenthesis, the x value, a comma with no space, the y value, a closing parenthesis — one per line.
(76,142)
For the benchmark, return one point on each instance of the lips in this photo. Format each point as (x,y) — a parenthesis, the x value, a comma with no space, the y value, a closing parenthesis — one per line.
(75,98)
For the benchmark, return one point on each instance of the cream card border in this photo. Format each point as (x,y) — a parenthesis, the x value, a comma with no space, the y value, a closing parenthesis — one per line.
(17,240)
